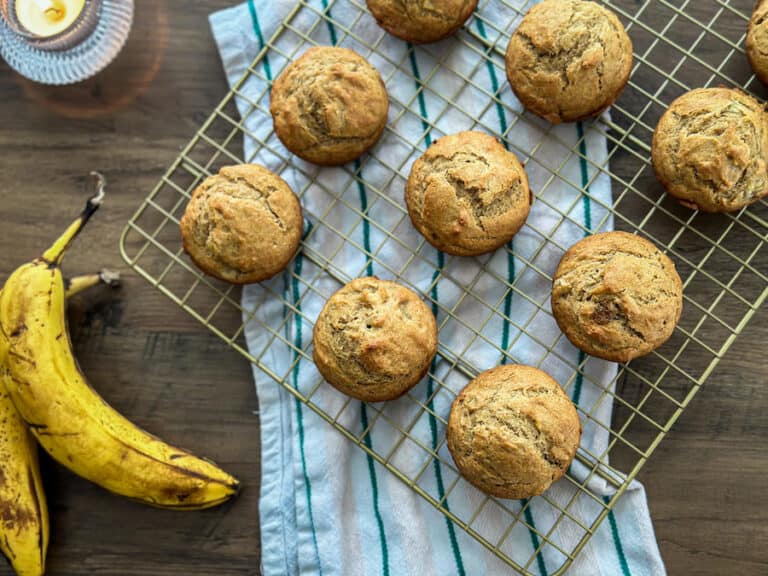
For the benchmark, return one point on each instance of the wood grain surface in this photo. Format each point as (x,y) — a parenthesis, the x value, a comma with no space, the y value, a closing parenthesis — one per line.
(158,366)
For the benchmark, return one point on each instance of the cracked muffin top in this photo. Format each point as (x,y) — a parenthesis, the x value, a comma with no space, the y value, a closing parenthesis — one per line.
(329,106)
(568,60)
(709,149)
(421,21)
(374,340)
(757,40)
(242,225)
(467,194)
(616,296)
(513,431)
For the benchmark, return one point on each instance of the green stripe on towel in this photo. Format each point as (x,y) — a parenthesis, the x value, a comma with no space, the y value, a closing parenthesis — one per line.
(297,343)
(617,541)
(298,336)
(587,209)
(369,270)
(510,246)
(435,309)
(528,514)
(260,37)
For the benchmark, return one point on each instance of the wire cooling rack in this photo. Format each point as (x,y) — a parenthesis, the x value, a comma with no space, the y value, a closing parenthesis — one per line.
(721,258)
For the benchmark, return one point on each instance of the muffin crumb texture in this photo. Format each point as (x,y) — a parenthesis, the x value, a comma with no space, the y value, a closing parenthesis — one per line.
(616,296)
(374,339)
(329,106)
(513,431)
(569,59)
(709,149)
(421,21)
(242,225)
(467,195)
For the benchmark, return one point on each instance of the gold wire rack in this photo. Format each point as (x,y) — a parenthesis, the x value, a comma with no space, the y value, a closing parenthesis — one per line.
(678,46)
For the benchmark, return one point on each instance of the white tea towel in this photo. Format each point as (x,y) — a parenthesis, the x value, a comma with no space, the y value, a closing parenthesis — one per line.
(326,506)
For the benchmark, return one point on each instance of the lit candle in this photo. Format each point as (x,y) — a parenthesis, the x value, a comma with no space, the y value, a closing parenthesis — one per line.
(45,18)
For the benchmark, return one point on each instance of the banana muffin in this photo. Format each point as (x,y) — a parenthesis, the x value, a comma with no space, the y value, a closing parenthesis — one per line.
(374,340)
(709,150)
(421,21)
(757,40)
(329,106)
(242,225)
(569,60)
(616,296)
(467,195)
(513,431)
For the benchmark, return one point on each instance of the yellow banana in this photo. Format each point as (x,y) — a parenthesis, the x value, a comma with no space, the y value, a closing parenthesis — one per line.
(24,526)
(23,512)
(68,418)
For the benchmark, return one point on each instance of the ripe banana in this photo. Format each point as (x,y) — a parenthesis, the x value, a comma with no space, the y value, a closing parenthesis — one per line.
(23,512)
(24,526)
(68,418)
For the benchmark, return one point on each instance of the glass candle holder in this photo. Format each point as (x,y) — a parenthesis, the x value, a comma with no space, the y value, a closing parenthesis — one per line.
(62,41)
(52,24)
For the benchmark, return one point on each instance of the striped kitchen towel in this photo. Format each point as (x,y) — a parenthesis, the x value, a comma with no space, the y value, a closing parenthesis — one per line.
(326,507)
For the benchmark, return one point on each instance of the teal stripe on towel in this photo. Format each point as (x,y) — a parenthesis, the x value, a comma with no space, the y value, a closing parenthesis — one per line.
(297,343)
(434,293)
(528,514)
(369,270)
(510,246)
(617,541)
(260,38)
(366,222)
(363,408)
(587,209)
(298,336)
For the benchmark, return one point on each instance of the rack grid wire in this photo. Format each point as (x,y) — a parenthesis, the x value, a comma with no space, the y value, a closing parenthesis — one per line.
(720,258)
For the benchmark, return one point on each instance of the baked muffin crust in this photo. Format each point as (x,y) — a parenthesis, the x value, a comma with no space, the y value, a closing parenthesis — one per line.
(757,40)
(242,225)
(374,339)
(513,431)
(709,150)
(568,60)
(421,21)
(329,106)
(616,296)
(467,195)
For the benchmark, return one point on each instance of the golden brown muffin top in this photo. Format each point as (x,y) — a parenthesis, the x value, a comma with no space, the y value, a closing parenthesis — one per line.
(421,21)
(757,40)
(467,195)
(709,149)
(513,431)
(374,339)
(242,225)
(569,59)
(616,296)
(329,106)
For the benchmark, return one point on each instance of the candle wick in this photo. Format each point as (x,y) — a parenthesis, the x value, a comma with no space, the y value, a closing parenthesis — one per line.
(53,9)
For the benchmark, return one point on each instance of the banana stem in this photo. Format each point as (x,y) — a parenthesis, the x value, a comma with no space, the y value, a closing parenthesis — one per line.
(78,284)
(54,255)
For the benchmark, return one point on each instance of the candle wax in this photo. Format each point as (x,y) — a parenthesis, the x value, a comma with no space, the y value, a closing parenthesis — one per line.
(48,17)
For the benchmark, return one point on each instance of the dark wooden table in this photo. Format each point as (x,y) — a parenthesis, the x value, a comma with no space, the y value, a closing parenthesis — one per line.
(157,365)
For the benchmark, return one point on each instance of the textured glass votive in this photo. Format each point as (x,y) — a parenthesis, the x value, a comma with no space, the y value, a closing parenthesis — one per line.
(85,47)
(81,27)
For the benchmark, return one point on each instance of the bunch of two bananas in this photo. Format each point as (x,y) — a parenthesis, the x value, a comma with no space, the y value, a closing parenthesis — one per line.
(45,399)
